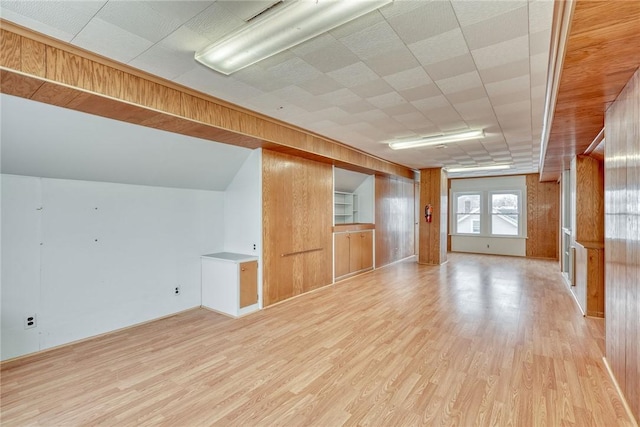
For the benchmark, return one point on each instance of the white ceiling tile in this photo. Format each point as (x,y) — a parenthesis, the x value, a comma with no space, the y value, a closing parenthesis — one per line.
(539,42)
(331,57)
(320,85)
(353,75)
(392,62)
(357,107)
(362,23)
(471,12)
(513,108)
(215,22)
(372,88)
(246,9)
(467,95)
(507,26)
(63,18)
(294,71)
(418,93)
(428,20)
(372,41)
(400,109)
(515,85)
(502,53)
(111,41)
(460,83)
(408,79)
(540,14)
(322,41)
(427,104)
(387,100)
(440,48)
(340,97)
(451,67)
(505,71)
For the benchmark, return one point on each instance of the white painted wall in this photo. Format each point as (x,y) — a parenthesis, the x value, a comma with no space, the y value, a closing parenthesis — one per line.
(366,200)
(515,246)
(243,213)
(99,256)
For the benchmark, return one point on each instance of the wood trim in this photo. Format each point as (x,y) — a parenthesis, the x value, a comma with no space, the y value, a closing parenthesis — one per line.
(37,67)
(344,228)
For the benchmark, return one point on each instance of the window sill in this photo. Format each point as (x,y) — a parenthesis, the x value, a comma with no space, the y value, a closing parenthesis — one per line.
(486,236)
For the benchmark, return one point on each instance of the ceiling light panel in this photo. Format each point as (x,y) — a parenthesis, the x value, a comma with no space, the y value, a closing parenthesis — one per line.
(280,29)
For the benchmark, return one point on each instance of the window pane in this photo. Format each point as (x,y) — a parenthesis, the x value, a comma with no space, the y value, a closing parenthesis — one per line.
(468,224)
(468,203)
(504,224)
(505,214)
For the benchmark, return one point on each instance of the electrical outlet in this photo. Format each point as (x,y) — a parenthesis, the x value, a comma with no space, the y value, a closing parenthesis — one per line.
(176,290)
(30,321)
(254,246)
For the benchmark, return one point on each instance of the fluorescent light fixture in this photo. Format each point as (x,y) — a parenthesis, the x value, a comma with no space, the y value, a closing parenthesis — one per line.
(479,168)
(438,139)
(281,28)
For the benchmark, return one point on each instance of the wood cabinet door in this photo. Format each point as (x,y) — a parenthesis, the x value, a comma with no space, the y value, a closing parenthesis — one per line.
(248,283)
(355,254)
(366,250)
(342,254)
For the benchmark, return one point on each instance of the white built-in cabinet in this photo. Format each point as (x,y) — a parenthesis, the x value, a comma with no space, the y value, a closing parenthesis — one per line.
(230,283)
(345,207)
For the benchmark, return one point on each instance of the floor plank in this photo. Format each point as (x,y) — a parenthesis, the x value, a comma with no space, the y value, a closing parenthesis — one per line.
(481,340)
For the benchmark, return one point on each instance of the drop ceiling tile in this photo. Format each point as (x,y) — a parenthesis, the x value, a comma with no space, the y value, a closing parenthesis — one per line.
(513,108)
(515,85)
(500,28)
(392,62)
(479,108)
(460,83)
(471,12)
(508,97)
(505,71)
(539,42)
(421,92)
(331,57)
(357,107)
(319,42)
(246,9)
(408,79)
(372,88)
(294,71)
(413,119)
(400,109)
(540,14)
(225,22)
(353,75)
(372,41)
(451,67)
(446,117)
(362,23)
(390,99)
(428,20)
(152,21)
(467,95)
(440,48)
(109,40)
(426,105)
(320,85)
(63,19)
(163,62)
(502,53)
(372,116)
(259,78)
(340,97)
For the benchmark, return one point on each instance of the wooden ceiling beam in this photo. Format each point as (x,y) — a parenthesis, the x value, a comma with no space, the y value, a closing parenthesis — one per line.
(36,67)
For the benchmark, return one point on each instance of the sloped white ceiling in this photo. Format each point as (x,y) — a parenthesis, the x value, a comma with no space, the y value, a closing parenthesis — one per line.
(413,68)
(52,142)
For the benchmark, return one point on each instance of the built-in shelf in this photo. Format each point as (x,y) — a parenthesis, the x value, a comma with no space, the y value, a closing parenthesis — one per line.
(343,207)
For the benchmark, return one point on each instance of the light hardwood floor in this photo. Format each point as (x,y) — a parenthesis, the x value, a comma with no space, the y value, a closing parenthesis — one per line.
(481,340)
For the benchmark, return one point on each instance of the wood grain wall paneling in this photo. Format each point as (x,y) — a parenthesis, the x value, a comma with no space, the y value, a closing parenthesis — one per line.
(71,69)
(297,226)
(543,216)
(394,205)
(433,236)
(601,54)
(589,208)
(622,241)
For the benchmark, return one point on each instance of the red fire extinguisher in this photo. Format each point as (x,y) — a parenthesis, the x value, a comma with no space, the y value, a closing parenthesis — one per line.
(428,212)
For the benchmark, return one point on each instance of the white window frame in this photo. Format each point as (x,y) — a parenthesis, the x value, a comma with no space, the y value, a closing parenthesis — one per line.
(490,195)
(456,214)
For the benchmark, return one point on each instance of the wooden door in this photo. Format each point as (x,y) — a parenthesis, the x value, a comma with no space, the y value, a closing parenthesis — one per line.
(248,283)
(366,250)
(342,258)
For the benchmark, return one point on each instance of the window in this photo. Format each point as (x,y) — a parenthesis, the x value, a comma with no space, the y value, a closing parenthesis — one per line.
(467,211)
(505,214)
(488,213)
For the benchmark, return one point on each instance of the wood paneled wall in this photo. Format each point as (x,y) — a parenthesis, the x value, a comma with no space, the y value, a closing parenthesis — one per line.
(43,69)
(587,195)
(394,200)
(433,236)
(622,240)
(543,218)
(297,198)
